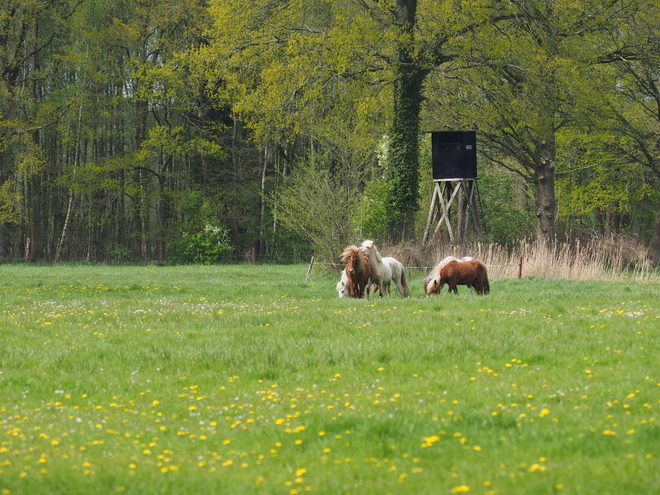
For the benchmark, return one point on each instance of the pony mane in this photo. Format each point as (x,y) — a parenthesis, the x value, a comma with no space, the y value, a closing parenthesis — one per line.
(438,268)
(349,251)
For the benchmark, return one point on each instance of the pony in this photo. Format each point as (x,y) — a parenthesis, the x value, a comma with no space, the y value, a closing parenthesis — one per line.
(342,285)
(398,276)
(358,271)
(381,272)
(472,273)
(433,278)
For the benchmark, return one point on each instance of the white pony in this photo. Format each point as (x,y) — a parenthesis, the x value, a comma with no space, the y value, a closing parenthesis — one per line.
(342,285)
(381,273)
(435,273)
(383,270)
(398,275)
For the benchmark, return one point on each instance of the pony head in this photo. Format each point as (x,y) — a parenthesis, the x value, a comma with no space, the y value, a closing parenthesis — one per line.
(342,286)
(351,256)
(433,284)
(369,247)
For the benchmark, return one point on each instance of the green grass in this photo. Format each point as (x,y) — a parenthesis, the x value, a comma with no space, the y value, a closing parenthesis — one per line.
(251,379)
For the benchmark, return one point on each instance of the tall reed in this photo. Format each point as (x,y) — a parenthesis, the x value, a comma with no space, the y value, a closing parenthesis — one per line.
(594,259)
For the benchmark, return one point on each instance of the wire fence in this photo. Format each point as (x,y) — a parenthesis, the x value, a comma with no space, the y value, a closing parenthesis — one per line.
(501,268)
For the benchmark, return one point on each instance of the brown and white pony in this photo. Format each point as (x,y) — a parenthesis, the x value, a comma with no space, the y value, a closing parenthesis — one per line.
(434,276)
(453,272)
(358,271)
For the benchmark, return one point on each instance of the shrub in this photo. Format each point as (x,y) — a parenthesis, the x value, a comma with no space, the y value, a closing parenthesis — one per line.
(202,247)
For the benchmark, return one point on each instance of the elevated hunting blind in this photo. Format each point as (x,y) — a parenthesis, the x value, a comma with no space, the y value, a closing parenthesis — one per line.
(454,155)
(454,160)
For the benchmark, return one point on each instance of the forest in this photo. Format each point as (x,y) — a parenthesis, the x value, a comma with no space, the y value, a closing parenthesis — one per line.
(206,131)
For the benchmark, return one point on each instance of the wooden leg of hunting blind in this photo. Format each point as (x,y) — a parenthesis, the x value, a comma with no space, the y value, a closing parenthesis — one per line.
(309,270)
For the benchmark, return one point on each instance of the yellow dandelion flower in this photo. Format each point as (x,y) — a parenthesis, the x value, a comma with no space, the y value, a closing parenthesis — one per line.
(460,489)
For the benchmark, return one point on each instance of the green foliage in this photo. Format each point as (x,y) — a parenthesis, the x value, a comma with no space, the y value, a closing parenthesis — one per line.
(110,110)
(203,247)
(201,240)
(321,205)
(505,201)
(378,196)
(377,216)
(30,162)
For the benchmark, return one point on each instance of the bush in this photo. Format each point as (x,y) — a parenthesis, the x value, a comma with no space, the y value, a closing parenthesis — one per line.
(203,247)
(201,238)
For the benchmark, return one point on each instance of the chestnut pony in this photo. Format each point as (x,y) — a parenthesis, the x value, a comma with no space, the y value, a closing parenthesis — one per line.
(472,273)
(358,271)
(434,276)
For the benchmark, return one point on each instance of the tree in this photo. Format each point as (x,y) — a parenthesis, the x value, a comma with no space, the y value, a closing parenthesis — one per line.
(409,75)
(283,62)
(140,124)
(630,109)
(521,81)
(28,60)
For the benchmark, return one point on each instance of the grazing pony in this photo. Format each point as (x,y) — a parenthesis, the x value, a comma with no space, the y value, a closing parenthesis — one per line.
(342,285)
(433,278)
(381,272)
(398,276)
(471,273)
(358,271)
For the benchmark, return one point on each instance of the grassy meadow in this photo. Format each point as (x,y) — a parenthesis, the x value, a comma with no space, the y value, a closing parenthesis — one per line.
(252,379)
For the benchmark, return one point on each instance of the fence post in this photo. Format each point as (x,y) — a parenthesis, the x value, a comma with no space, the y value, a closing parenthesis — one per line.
(520,268)
(309,270)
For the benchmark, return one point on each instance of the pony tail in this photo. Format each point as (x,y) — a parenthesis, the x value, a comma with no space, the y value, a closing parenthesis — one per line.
(486,284)
(404,284)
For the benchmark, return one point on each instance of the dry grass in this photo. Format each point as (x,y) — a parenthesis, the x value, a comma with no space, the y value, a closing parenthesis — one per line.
(595,259)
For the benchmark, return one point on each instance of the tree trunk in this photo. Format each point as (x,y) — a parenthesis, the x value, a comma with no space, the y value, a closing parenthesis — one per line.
(600,222)
(261,243)
(404,145)
(546,202)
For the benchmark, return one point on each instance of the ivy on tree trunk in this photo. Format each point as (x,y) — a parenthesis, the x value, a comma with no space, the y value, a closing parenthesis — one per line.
(404,145)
